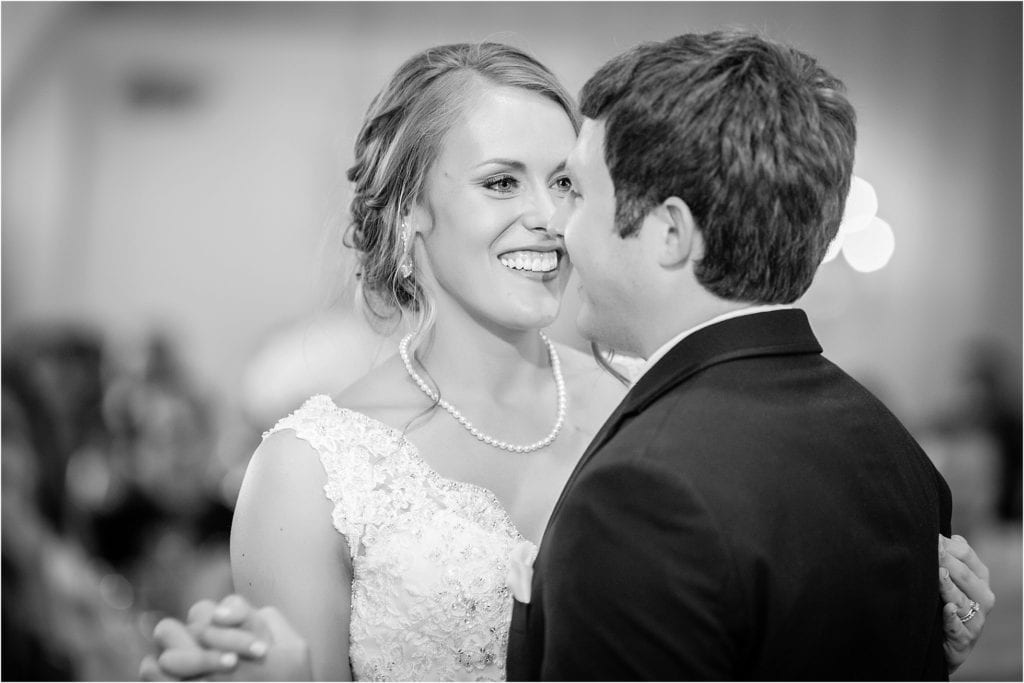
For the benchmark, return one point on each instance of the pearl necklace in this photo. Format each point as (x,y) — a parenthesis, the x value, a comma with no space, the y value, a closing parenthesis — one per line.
(556,368)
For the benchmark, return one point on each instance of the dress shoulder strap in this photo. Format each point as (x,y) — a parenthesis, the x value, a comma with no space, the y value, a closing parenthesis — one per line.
(348,453)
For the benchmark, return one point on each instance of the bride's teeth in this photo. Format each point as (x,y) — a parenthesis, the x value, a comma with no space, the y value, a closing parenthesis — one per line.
(538,262)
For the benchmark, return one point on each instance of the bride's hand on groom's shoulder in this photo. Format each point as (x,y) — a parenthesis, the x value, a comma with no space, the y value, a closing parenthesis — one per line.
(964,587)
(231,640)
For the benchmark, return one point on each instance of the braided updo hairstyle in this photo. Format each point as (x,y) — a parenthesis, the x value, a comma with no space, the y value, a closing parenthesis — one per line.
(400,139)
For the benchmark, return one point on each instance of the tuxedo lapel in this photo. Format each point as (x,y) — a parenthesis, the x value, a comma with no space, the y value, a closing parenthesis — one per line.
(759,334)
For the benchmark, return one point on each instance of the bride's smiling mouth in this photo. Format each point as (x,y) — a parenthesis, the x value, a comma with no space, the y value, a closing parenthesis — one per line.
(534,262)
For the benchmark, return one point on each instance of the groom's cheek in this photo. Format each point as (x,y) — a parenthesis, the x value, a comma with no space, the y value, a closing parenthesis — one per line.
(560,217)
(573,249)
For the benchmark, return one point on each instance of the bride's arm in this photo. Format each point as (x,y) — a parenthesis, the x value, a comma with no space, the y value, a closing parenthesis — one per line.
(286,552)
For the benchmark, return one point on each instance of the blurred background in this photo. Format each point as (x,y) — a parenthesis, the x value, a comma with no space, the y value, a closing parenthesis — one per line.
(173,279)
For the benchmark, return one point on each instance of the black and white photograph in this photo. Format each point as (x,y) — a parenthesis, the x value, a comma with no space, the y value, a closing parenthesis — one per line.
(527,341)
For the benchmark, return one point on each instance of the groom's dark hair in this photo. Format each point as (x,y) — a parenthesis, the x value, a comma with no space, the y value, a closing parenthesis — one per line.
(754,136)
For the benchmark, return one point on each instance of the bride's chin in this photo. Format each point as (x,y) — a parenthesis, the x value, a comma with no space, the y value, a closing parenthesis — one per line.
(530,322)
(533,313)
(544,316)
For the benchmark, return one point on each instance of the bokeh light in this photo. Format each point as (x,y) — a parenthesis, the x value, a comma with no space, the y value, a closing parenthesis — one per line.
(861,207)
(834,248)
(869,249)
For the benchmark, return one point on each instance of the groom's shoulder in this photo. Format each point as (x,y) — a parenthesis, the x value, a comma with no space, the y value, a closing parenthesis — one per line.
(734,411)
(741,424)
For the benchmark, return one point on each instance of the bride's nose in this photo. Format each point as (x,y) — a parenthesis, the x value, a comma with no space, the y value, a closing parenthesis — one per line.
(539,211)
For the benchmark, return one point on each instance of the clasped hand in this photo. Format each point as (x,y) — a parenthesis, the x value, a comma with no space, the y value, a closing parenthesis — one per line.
(231,640)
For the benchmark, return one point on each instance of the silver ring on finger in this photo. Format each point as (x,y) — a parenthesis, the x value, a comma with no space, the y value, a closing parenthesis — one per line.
(975,608)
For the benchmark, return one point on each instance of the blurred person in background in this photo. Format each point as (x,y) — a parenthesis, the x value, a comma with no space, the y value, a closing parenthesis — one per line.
(169,521)
(977,440)
(110,518)
(63,610)
(993,405)
(399,572)
(57,373)
(30,528)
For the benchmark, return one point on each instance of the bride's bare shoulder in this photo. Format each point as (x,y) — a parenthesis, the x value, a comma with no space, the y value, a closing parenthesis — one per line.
(384,393)
(286,460)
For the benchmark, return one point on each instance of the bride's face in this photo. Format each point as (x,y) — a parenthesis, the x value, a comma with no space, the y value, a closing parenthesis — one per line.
(484,244)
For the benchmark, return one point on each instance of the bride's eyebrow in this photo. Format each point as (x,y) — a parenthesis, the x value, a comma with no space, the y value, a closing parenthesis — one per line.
(558,170)
(498,161)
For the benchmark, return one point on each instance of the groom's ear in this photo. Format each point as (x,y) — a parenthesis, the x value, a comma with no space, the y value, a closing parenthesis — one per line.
(677,237)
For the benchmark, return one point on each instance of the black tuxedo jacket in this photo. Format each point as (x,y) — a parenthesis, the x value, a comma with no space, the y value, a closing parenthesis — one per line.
(748,512)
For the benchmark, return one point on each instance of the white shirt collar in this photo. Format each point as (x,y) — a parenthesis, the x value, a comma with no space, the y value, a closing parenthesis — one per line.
(671,343)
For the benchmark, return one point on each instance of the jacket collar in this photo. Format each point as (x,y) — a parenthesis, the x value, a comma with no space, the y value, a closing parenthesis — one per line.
(760,334)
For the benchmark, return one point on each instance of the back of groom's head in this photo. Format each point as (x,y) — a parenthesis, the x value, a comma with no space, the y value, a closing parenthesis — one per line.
(754,136)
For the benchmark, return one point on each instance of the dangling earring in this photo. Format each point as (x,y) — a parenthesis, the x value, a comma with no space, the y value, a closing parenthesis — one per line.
(405,262)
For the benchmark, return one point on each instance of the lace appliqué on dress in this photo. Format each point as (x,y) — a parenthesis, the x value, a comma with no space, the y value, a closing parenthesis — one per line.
(429,555)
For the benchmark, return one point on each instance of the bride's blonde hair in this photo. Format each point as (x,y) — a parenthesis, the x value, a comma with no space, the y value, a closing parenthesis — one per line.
(400,139)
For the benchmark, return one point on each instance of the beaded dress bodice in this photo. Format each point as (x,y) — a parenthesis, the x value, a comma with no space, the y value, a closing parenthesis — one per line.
(429,554)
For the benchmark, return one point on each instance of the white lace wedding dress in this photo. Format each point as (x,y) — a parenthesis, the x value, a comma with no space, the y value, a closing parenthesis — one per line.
(429,555)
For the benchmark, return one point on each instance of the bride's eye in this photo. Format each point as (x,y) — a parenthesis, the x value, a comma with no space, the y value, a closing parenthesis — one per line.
(562,186)
(503,184)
